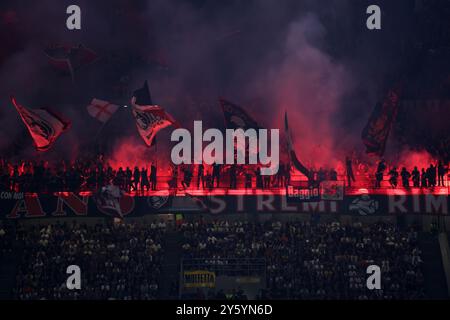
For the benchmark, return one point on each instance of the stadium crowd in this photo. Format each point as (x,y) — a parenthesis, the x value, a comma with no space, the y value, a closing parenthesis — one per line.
(117,261)
(6,239)
(315,261)
(303,260)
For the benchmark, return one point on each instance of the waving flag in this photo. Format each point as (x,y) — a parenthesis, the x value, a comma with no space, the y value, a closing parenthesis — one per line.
(292,155)
(142,96)
(376,132)
(108,200)
(44,126)
(69,59)
(236,117)
(102,110)
(150,120)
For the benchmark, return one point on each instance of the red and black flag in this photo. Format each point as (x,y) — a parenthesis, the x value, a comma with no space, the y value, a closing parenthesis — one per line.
(69,59)
(236,117)
(376,132)
(150,119)
(292,155)
(44,125)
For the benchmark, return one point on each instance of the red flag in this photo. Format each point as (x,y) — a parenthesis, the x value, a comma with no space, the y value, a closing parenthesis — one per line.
(44,126)
(69,59)
(150,120)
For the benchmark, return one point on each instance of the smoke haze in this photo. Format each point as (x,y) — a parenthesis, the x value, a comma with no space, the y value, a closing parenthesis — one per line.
(313,59)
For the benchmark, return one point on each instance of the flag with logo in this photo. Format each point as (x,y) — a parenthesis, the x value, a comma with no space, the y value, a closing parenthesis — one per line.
(43,125)
(101,110)
(108,200)
(236,117)
(150,118)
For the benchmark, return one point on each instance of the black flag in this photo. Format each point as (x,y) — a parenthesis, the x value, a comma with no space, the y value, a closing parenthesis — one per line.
(236,117)
(376,132)
(143,96)
(292,155)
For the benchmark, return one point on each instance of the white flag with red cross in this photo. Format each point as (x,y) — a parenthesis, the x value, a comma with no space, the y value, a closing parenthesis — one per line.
(102,110)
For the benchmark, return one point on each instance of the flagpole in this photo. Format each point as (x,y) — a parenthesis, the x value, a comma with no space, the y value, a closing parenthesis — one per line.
(72,74)
(100,130)
(156,153)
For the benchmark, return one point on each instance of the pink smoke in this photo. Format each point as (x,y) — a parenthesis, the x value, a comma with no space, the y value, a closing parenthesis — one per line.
(309,86)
